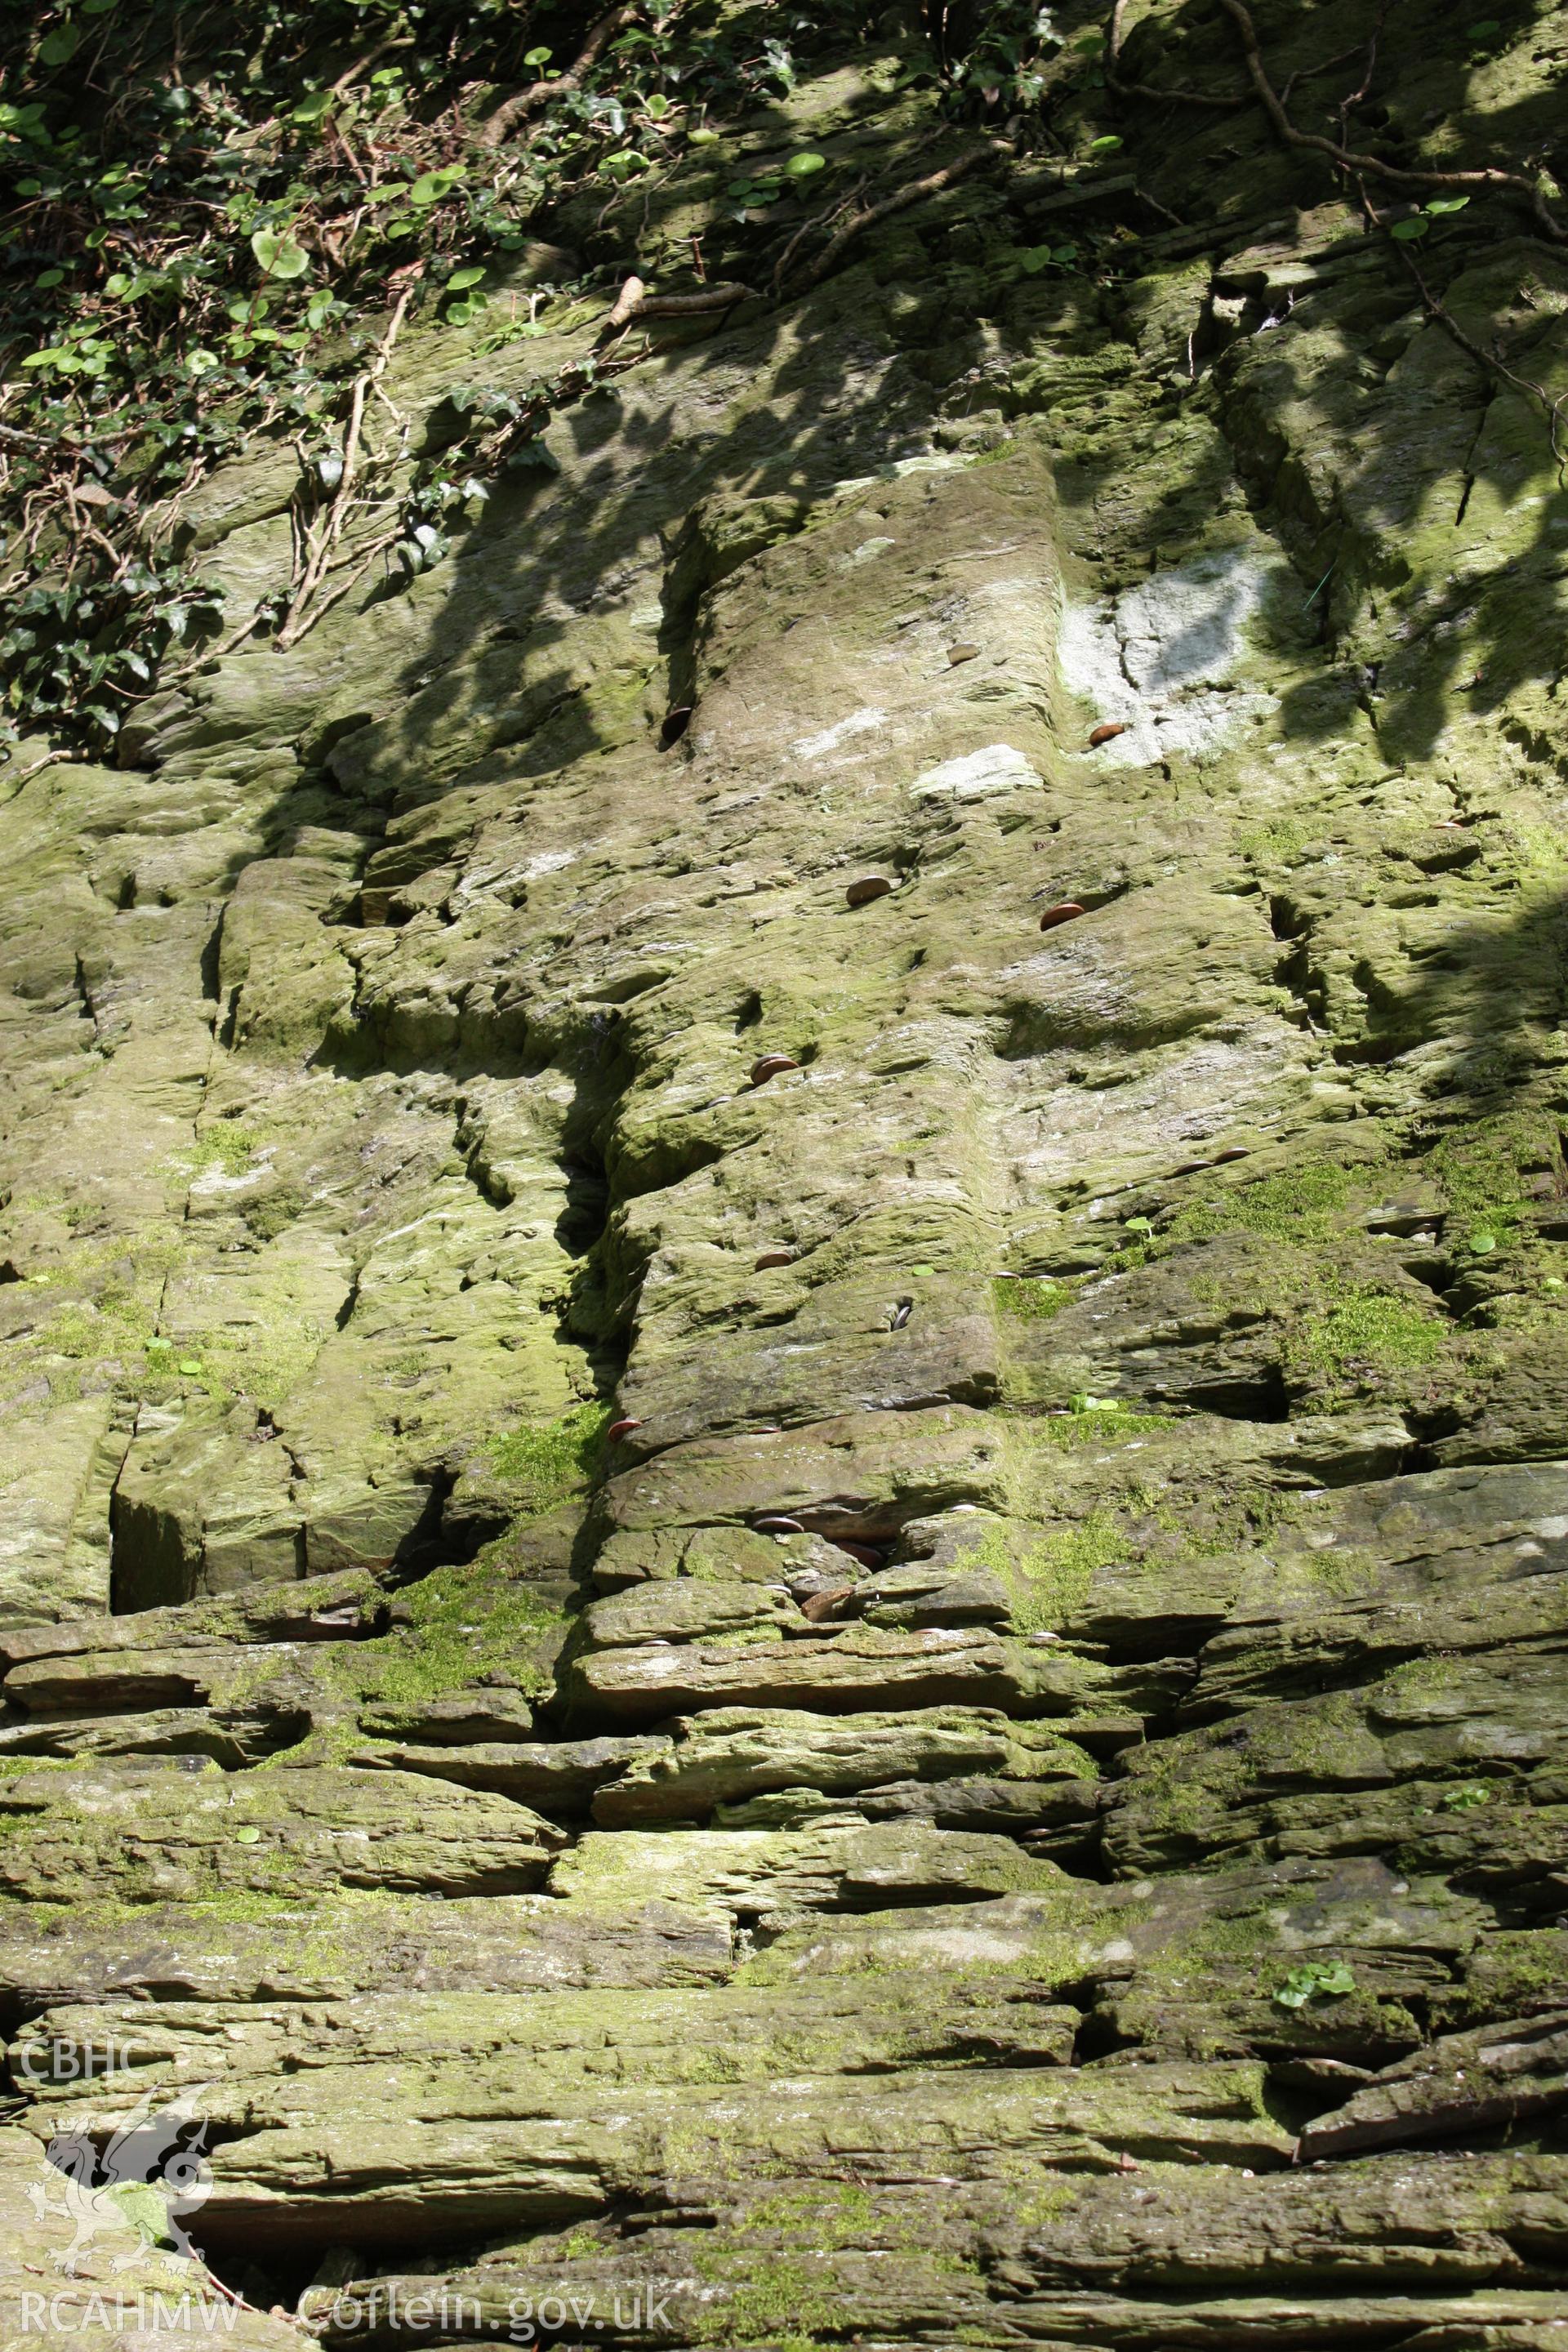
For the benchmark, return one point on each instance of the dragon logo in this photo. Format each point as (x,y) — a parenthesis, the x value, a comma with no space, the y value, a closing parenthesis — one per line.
(154,2174)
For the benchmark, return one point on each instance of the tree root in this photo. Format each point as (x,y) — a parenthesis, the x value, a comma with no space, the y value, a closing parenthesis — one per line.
(901,198)
(1489,363)
(524,102)
(1372,166)
(317,547)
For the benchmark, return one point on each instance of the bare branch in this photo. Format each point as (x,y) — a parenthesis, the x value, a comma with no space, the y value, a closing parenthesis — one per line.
(524,102)
(635,302)
(911,193)
(626,306)
(1372,166)
(319,546)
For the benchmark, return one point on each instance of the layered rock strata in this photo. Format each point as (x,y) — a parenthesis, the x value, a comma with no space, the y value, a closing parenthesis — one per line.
(1018,1797)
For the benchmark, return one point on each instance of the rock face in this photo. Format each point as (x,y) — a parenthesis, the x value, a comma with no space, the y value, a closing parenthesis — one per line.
(1021,1796)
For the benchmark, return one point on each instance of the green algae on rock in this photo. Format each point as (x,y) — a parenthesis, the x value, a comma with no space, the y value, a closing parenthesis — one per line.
(733,1589)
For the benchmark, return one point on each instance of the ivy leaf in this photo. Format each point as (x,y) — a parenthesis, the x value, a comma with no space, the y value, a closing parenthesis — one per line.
(461,277)
(431,186)
(311,109)
(1448,204)
(780,63)
(1407,231)
(1104,146)
(537,58)
(278,253)
(802,166)
(58,48)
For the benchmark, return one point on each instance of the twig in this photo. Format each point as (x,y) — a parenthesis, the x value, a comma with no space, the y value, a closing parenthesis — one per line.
(524,102)
(1372,165)
(911,193)
(1156,206)
(36,440)
(367,557)
(818,220)
(49,760)
(319,547)
(367,57)
(1488,361)
(1357,96)
(1367,49)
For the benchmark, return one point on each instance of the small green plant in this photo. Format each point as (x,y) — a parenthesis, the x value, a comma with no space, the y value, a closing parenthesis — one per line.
(224,1143)
(1314,1980)
(1032,258)
(1419,225)
(1468,1797)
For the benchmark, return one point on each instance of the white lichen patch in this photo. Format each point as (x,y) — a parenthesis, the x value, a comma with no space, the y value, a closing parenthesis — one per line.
(867,553)
(817,747)
(976,775)
(1168,660)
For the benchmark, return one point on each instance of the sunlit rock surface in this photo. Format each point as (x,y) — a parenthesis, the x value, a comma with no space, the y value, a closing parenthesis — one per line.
(1021,1798)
